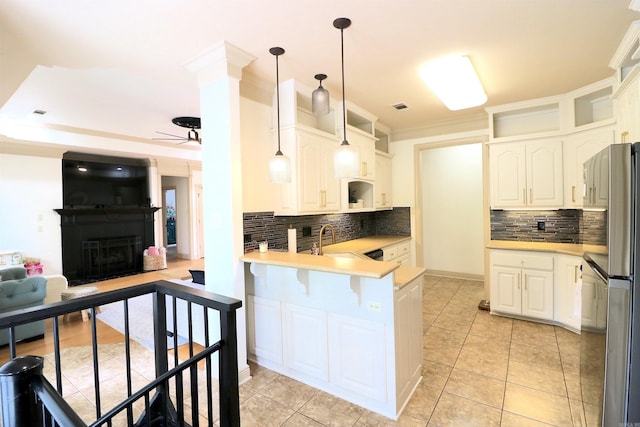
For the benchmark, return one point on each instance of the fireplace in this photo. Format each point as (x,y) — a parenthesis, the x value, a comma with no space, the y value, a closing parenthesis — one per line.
(111,256)
(103,243)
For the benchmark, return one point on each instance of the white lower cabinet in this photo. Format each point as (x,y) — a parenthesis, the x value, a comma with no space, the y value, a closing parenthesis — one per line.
(305,340)
(522,284)
(568,291)
(264,329)
(357,356)
(400,252)
(408,320)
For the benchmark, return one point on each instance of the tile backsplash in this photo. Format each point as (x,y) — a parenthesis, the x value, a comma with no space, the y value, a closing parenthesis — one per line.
(260,226)
(560,226)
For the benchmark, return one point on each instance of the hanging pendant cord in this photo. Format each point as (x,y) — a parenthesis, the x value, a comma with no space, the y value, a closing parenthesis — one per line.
(344,100)
(279,153)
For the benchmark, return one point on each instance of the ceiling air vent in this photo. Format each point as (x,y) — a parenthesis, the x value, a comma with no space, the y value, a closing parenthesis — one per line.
(400,106)
(39,112)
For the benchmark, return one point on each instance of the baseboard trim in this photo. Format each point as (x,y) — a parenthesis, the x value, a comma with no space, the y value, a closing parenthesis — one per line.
(455,275)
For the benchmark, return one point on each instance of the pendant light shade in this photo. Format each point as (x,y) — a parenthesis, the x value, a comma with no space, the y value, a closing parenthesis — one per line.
(280,165)
(346,160)
(320,98)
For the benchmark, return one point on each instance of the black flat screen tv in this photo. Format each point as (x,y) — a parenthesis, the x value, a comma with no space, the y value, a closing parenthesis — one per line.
(90,181)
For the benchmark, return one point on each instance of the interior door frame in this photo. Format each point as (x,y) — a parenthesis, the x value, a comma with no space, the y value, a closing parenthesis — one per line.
(419,243)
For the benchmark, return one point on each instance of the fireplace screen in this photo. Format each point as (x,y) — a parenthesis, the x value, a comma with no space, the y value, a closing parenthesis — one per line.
(112,257)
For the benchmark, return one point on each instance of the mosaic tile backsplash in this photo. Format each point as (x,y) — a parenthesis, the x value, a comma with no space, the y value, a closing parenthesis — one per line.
(561,226)
(260,226)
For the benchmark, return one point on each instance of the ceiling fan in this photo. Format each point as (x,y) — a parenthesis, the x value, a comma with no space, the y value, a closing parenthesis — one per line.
(192,123)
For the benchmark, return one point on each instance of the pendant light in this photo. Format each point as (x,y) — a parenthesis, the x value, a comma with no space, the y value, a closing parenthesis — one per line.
(346,160)
(280,165)
(320,98)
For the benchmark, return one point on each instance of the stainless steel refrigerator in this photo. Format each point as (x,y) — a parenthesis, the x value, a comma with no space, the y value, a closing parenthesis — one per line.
(611,187)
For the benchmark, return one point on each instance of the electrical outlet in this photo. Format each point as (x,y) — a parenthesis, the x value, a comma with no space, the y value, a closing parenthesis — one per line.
(374,306)
(306,231)
(541,225)
(247,238)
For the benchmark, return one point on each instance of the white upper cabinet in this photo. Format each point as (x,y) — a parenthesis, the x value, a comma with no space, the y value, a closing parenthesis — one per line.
(383,198)
(310,142)
(578,148)
(526,174)
(627,91)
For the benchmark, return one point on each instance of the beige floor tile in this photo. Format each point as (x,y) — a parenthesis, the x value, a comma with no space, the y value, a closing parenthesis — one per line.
(535,334)
(496,348)
(453,410)
(550,381)
(437,336)
(435,374)
(487,364)
(538,405)
(261,411)
(371,419)
(535,356)
(500,331)
(513,420)
(577,413)
(440,354)
(331,411)
(423,402)
(290,393)
(570,364)
(478,388)
(453,323)
(299,420)
(574,390)
(592,414)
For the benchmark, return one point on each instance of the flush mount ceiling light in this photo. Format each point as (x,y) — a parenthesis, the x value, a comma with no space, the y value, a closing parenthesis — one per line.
(346,160)
(454,81)
(320,98)
(280,165)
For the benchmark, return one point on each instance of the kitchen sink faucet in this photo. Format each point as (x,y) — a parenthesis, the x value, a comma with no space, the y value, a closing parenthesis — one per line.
(333,236)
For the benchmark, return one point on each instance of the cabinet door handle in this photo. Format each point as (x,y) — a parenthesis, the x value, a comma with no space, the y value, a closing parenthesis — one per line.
(518,281)
(531,195)
(594,195)
(573,193)
(575,274)
(623,136)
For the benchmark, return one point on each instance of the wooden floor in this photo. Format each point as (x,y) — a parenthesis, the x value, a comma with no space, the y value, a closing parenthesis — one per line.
(75,332)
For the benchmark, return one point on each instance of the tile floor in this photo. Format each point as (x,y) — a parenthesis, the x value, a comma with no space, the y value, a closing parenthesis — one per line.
(479,370)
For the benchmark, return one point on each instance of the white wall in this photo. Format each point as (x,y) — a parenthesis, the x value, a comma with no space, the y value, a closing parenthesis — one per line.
(452,209)
(30,188)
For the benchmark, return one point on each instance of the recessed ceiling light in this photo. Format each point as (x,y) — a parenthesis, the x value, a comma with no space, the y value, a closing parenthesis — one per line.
(454,81)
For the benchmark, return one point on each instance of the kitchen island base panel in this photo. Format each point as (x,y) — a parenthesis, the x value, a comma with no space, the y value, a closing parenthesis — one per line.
(335,332)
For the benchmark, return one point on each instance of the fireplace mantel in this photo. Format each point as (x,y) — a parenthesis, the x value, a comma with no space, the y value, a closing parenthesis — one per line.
(106,210)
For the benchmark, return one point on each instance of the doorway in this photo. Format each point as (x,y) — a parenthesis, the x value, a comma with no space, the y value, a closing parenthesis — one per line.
(452,220)
(169,218)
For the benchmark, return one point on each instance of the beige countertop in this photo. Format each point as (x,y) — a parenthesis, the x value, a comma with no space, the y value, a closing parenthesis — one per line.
(560,248)
(353,262)
(364,244)
(330,264)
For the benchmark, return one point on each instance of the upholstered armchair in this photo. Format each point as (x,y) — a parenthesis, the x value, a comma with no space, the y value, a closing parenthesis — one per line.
(18,291)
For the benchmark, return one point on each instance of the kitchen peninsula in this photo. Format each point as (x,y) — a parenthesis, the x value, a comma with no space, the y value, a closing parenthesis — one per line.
(344,324)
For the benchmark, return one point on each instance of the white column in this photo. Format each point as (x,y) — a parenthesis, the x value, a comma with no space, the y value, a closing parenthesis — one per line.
(219,72)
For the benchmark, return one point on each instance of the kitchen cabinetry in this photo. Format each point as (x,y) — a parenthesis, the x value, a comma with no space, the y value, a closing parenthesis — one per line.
(627,108)
(526,174)
(409,341)
(400,252)
(383,197)
(356,337)
(522,284)
(578,148)
(568,291)
(319,189)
